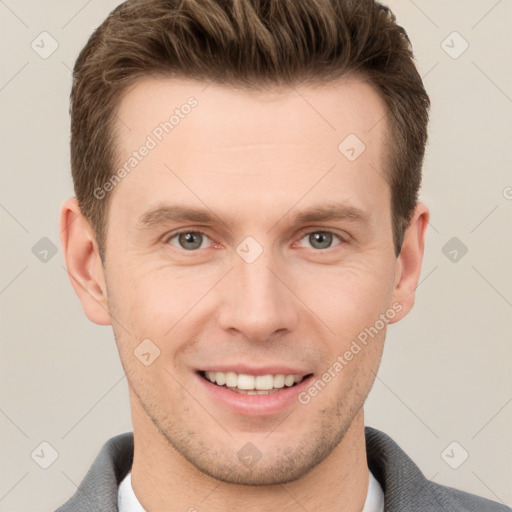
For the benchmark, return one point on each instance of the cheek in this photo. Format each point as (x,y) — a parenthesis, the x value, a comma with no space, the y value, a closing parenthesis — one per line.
(346,298)
(153,302)
(343,298)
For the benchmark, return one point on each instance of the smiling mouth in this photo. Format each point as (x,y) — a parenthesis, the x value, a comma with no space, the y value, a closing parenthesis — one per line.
(253,384)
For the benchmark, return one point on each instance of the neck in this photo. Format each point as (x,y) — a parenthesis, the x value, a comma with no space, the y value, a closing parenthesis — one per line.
(164,480)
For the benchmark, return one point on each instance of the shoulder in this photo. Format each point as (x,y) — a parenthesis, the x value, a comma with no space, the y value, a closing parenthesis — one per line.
(98,490)
(466,501)
(405,487)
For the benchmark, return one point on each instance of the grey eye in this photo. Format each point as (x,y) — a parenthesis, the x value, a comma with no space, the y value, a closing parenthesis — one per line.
(189,240)
(320,239)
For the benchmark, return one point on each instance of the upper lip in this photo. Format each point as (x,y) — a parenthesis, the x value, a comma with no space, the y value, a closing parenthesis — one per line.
(261,370)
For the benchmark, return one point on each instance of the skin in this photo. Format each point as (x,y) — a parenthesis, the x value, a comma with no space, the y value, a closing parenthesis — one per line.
(254,159)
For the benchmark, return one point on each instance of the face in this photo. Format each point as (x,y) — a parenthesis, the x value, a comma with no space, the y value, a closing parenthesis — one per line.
(245,242)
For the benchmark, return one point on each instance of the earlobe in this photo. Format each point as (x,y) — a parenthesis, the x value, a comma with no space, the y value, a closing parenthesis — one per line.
(83,263)
(409,261)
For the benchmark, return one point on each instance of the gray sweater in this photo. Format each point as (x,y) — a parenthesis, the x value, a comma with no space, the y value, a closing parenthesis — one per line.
(405,487)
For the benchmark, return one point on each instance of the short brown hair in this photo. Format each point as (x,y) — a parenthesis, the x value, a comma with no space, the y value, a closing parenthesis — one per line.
(246,43)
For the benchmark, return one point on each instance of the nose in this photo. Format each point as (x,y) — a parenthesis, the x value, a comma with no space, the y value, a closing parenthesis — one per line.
(257,301)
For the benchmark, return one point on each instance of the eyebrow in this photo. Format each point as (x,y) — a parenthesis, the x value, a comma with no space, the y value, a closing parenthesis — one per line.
(176,213)
(331,212)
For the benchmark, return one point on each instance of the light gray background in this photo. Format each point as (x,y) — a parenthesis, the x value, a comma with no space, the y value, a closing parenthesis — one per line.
(445,374)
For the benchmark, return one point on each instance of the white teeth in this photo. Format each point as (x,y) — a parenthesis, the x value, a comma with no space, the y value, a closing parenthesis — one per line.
(260,384)
(231,379)
(253,391)
(245,381)
(264,382)
(289,380)
(279,381)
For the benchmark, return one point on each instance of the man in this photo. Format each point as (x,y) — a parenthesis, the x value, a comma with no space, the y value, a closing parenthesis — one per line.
(246,219)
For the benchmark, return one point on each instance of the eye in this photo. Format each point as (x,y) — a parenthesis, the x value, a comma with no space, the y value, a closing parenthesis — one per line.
(189,240)
(321,239)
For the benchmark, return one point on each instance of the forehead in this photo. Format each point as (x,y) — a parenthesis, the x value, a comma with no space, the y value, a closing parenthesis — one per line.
(268,145)
(330,111)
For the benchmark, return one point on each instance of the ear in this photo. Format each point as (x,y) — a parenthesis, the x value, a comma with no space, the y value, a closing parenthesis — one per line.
(408,264)
(83,262)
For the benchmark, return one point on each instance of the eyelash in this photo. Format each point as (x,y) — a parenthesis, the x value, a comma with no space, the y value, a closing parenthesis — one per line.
(303,234)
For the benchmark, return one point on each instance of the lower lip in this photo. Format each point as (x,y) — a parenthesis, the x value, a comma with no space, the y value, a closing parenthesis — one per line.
(255,405)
